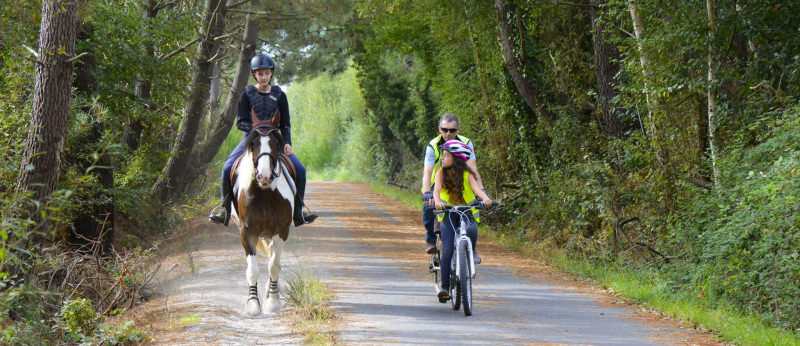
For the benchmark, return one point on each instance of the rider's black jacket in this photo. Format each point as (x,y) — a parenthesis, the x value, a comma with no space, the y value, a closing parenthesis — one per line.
(265,106)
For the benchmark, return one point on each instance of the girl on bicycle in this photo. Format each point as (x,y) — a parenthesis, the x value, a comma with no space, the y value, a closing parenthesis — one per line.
(455,184)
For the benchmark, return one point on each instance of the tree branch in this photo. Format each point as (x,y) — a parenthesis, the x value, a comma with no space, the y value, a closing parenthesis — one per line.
(179,50)
(74,58)
(35,54)
(525,88)
(229,7)
(648,247)
(224,36)
(701,182)
(164,5)
(556,2)
(271,15)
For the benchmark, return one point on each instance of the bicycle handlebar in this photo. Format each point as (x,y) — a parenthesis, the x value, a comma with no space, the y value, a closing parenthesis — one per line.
(477,204)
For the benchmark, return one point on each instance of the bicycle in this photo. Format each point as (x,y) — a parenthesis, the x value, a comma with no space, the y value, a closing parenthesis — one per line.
(462,265)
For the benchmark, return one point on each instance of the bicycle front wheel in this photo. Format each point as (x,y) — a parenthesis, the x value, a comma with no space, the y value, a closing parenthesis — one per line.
(455,296)
(465,282)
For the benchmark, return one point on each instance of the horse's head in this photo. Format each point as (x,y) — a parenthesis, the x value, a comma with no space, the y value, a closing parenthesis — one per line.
(265,143)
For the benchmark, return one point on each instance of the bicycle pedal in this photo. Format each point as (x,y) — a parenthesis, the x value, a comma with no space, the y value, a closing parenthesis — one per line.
(443,297)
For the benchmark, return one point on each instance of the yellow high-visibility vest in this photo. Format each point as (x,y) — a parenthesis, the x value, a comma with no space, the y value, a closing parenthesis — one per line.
(467,194)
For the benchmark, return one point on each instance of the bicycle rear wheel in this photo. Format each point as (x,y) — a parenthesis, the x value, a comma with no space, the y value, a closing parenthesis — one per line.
(465,283)
(436,271)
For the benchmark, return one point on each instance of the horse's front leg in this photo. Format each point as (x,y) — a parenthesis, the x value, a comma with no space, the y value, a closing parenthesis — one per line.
(273,303)
(253,306)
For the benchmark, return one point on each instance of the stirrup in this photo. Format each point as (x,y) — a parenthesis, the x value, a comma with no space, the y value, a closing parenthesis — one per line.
(309,218)
(222,218)
(304,217)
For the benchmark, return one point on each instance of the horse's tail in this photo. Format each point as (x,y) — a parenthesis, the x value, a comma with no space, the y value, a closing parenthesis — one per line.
(263,247)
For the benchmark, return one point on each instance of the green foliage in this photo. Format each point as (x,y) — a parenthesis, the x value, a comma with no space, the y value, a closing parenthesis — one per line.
(578,189)
(23,303)
(600,197)
(83,325)
(309,44)
(331,130)
(78,319)
(121,334)
(741,241)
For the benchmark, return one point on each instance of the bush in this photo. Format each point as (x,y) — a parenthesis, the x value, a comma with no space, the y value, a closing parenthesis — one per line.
(742,240)
(78,319)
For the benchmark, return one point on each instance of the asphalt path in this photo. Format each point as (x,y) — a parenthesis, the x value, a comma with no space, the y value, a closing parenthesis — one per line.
(369,250)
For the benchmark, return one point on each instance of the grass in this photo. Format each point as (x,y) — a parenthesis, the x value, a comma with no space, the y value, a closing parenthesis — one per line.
(642,287)
(311,315)
(187,320)
(649,289)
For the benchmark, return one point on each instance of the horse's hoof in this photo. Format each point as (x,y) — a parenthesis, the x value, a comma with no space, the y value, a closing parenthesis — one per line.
(253,307)
(272,306)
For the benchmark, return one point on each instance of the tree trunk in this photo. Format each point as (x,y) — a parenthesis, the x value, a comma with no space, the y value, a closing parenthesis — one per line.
(166,186)
(205,151)
(214,95)
(476,58)
(44,147)
(644,60)
(142,90)
(606,70)
(712,102)
(525,88)
(702,129)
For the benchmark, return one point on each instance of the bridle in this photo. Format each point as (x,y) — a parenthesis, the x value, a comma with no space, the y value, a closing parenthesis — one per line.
(268,130)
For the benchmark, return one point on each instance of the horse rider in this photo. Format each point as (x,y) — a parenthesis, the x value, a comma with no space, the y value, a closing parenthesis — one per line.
(263,101)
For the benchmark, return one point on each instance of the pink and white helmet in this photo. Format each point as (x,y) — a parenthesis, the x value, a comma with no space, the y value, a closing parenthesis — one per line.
(458,149)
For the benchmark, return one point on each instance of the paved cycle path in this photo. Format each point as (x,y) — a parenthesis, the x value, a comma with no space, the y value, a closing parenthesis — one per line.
(369,250)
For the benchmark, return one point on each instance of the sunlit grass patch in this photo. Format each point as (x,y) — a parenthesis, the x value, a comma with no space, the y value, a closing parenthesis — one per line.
(311,315)
(187,320)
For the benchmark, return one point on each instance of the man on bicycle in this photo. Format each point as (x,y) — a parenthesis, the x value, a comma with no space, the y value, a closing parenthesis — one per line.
(448,130)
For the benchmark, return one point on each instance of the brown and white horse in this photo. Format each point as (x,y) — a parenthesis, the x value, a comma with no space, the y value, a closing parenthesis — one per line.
(262,207)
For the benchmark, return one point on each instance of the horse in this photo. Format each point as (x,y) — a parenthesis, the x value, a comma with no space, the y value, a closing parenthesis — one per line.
(262,208)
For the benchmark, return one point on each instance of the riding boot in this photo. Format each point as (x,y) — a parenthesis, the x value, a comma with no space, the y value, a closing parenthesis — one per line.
(301,217)
(222,213)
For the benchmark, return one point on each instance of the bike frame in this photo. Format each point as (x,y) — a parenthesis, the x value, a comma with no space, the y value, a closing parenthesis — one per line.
(464,218)
(461,236)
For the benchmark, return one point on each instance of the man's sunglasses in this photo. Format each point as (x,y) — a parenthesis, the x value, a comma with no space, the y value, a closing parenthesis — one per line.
(444,129)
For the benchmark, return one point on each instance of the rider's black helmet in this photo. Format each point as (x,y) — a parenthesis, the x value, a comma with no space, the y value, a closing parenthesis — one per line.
(261,60)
